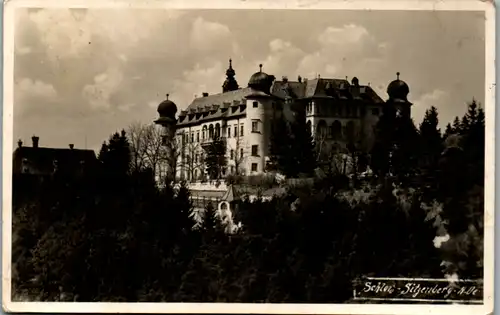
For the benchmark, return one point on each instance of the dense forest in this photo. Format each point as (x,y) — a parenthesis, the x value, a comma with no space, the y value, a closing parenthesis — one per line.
(114,234)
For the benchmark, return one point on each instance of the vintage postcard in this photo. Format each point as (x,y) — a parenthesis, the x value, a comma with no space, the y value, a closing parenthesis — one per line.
(291,157)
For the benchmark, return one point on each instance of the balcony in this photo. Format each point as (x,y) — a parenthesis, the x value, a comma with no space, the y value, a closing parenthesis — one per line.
(208,141)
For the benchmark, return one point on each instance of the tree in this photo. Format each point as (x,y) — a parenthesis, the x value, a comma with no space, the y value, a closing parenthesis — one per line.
(216,158)
(183,207)
(430,135)
(193,161)
(473,131)
(292,149)
(456,127)
(448,131)
(302,146)
(149,150)
(115,155)
(382,151)
(405,155)
(279,149)
(238,155)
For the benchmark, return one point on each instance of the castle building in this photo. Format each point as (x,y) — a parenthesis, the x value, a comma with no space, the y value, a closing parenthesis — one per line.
(336,111)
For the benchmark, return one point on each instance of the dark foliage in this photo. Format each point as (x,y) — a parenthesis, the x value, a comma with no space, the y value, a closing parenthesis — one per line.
(216,158)
(114,235)
(291,148)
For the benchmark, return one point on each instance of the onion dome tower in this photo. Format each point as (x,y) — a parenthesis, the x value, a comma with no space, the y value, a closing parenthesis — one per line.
(398,92)
(230,83)
(261,81)
(167,110)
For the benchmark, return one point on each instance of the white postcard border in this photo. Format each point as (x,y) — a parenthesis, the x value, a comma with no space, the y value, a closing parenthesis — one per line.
(63,307)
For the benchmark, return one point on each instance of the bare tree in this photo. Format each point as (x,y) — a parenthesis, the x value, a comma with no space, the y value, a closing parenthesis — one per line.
(238,156)
(323,147)
(342,156)
(149,150)
(193,161)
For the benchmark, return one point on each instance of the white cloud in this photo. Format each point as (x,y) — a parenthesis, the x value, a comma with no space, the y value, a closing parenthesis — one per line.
(198,80)
(208,36)
(435,98)
(342,51)
(34,95)
(282,56)
(105,84)
(68,32)
(339,36)
(62,32)
(27,87)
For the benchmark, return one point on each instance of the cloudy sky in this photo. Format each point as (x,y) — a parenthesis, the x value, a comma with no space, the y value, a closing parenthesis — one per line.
(80,75)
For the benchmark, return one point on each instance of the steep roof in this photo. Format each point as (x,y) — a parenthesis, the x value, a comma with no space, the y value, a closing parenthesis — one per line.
(216,106)
(43,159)
(232,103)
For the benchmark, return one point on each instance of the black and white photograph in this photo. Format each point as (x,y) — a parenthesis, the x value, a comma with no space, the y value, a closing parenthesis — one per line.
(252,157)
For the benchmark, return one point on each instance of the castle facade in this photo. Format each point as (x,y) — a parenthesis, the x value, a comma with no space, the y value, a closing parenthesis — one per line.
(336,111)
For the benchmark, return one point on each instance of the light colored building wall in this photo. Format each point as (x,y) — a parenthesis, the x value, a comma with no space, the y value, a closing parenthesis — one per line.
(258,128)
(254,129)
(237,143)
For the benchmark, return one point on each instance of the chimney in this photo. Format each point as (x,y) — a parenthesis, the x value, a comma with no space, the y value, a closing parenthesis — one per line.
(20,143)
(205,94)
(285,79)
(71,146)
(299,79)
(35,141)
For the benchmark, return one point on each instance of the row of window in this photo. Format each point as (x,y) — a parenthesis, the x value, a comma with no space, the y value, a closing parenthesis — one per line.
(255,152)
(214,133)
(336,110)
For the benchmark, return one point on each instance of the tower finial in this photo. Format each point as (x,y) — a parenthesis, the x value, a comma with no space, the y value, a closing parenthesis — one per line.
(397,73)
(230,63)
(260,67)
(168,96)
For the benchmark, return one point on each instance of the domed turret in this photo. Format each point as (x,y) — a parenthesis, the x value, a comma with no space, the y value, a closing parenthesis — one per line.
(167,109)
(230,83)
(230,71)
(261,81)
(398,89)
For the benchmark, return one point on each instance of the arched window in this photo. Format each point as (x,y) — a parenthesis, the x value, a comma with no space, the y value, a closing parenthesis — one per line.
(217,130)
(336,130)
(204,132)
(211,131)
(321,129)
